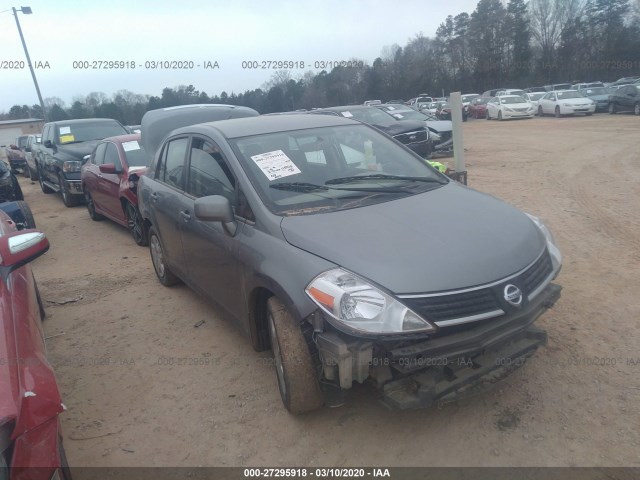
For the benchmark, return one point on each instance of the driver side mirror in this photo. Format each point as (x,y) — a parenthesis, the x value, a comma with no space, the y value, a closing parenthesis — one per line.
(19,248)
(216,208)
(109,168)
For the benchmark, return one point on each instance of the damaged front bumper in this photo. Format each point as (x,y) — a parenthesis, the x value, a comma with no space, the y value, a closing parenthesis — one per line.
(443,368)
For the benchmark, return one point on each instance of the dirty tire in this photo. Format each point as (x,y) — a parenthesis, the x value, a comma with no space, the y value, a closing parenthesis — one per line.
(26,172)
(68,199)
(164,274)
(557,112)
(135,224)
(295,371)
(29,221)
(33,174)
(91,206)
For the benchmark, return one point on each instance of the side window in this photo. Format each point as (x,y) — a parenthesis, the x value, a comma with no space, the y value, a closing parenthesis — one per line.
(45,133)
(171,168)
(209,173)
(111,156)
(98,156)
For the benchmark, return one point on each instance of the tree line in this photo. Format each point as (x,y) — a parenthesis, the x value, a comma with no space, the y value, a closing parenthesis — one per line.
(516,44)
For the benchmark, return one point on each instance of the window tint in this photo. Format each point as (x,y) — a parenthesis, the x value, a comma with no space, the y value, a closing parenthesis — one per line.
(209,174)
(98,157)
(111,156)
(171,166)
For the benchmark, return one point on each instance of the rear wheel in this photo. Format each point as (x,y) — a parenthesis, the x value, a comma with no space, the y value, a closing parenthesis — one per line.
(135,224)
(295,371)
(165,275)
(91,206)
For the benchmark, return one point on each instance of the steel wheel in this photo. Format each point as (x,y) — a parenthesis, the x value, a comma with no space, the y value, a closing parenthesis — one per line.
(135,224)
(163,273)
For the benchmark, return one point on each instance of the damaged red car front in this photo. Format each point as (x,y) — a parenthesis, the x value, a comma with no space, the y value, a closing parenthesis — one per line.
(30,437)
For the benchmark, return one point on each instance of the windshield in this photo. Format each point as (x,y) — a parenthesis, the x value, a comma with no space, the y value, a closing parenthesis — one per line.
(569,94)
(536,95)
(84,132)
(331,168)
(424,100)
(368,115)
(507,100)
(481,100)
(468,98)
(406,114)
(22,141)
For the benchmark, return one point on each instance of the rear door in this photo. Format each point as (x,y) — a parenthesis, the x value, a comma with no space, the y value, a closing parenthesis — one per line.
(210,252)
(108,187)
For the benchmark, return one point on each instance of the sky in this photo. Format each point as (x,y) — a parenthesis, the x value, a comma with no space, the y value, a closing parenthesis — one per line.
(198,34)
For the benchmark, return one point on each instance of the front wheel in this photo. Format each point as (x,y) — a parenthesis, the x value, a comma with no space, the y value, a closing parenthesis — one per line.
(557,112)
(487,116)
(68,199)
(540,113)
(135,224)
(91,206)
(297,378)
(165,275)
(636,108)
(612,109)
(500,115)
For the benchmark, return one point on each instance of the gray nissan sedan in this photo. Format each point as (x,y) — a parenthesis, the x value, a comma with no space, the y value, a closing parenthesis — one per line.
(348,256)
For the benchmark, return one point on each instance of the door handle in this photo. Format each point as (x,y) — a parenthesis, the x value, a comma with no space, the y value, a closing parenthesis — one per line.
(99,175)
(185,215)
(154,197)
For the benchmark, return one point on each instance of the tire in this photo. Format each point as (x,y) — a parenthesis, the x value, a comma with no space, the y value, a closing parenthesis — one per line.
(91,207)
(25,172)
(612,109)
(500,115)
(135,224)
(64,463)
(487,116)
(33,174)
(557,112)
(540,112)
(68,199)
(297,379)
(636,108)
(29,221)
(43,187)
(164,274)
(589,114)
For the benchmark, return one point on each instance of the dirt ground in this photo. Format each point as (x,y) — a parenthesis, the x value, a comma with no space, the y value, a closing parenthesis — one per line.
(154,376)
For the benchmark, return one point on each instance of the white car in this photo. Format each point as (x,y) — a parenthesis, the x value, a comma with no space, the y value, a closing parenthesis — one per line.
(533,98)
(565,102)
(510,91)
(509,106)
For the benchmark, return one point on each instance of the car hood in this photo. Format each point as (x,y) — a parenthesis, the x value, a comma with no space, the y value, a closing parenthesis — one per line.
(517,105)
(599,97)
(400,126)
(575,101)
(439,125)
(448,238)
(78,150)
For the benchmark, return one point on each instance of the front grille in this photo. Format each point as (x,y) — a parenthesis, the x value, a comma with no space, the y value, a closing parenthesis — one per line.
(480,303)
(412,137)
(521,109)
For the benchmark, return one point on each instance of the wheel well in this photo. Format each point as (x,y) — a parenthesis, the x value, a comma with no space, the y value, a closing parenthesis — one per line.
(258,319)
(123,204)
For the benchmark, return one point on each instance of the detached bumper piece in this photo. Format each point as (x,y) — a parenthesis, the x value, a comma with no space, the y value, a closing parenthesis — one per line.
(452,379)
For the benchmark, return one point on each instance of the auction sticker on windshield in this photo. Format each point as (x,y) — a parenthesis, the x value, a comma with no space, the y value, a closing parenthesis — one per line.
(275,164)
(132,145)
(67,138)
(347,114)
(65,130)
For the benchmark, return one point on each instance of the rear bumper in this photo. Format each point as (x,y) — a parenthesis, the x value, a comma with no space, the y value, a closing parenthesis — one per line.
(444,367)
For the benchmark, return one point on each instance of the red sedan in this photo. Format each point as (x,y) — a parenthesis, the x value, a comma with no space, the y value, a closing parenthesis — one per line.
(478,107)
(30,437)
(110,179)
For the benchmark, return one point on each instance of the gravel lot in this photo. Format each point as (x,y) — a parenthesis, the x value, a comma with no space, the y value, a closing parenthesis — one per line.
(577,402)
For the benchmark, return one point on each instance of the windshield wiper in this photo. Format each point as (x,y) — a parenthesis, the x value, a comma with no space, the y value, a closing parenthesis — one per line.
(381,176)
(312,187)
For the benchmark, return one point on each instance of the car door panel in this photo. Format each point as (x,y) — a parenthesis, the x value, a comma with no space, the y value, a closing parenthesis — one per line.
(108,185)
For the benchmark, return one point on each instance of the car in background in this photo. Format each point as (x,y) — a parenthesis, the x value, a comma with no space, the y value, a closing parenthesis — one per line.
(440,131)
(30,435)
(133,128)
(372,102)
(444,112)
(110,179)
(478,107)
(625,99)
(420,102)
(557,86)
(510,91)
(15,154)
(505,107)
(491,93)
(396,101)
(533,97)
(411,133)
(30,153)
(600,95)
(12,200)
(535,90)
(65,143)
(625,81)
(581,86)
(565,102)
(430,109)
(325,241)
(467,98)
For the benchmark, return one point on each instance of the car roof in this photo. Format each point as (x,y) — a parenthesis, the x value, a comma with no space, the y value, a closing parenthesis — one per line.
(265,124)
(510,96)
(84,120)
(130,137)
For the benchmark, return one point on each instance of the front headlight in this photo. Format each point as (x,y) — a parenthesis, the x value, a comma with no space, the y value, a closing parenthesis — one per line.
(508,109)
(567,105)
(556,256)
(71,166)
(362,307)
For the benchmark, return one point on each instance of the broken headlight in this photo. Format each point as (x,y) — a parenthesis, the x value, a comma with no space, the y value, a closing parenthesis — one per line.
(357,304)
